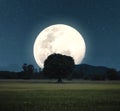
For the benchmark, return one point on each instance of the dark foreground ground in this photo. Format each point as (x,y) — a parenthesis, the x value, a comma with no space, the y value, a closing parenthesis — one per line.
(35,95)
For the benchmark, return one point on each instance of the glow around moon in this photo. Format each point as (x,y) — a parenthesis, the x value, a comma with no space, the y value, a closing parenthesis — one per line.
(61,39)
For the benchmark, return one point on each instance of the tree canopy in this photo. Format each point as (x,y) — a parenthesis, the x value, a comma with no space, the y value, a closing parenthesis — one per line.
(58,66)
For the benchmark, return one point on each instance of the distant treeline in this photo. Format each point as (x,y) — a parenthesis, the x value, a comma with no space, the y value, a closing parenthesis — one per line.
(85,72)
(111,74)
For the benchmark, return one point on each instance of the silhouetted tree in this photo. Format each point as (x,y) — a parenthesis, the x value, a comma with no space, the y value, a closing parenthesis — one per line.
(30,68)
(58,66)
(27,71)
(25,67)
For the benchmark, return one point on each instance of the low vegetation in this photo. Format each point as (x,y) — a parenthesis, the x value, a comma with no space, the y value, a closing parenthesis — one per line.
(77,96)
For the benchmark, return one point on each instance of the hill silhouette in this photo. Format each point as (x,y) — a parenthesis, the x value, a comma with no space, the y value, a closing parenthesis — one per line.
(89,72)
(89,69)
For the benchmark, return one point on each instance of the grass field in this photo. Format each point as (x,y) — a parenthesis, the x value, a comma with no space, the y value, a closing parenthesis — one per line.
(76,96)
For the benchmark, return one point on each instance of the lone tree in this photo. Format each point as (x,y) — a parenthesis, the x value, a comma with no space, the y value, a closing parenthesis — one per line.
(58,66)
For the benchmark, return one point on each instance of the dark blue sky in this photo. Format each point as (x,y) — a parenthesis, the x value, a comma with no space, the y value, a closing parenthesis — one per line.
(22,20)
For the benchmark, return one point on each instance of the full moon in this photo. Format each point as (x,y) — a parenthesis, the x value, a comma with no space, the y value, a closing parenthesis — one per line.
(59,39)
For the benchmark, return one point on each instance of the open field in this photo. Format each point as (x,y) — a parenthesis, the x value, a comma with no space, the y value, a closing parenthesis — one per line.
(45,96)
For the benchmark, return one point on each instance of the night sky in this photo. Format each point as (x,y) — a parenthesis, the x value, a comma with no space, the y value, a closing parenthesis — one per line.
(97,20)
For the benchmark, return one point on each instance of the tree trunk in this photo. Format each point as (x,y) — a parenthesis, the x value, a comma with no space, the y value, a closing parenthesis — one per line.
(59,80)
